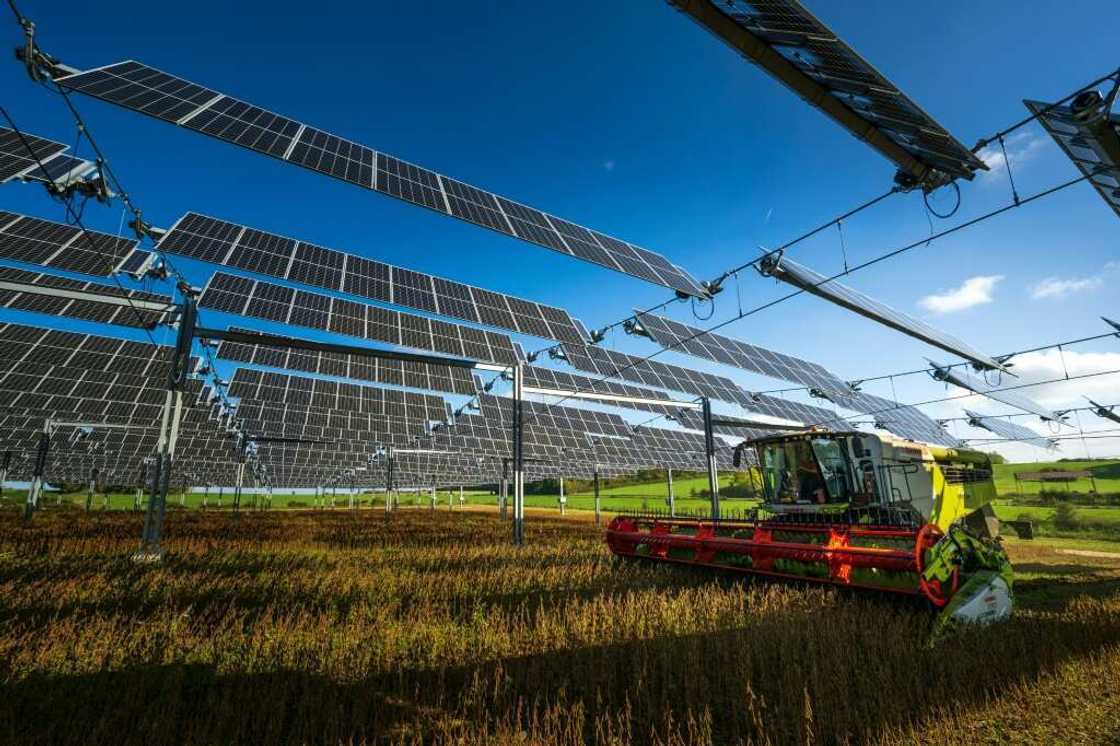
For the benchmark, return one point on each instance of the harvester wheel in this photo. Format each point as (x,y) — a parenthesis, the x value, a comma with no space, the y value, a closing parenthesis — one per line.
(928,536)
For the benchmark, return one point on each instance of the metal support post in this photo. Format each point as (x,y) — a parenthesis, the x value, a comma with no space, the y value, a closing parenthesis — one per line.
(221,490)
(710,453)
(178,370)
(518,426)
(433,496)
(672,499)
(563,500)
(503,489)
(5,464)
(462,500)
(598,507)
(388,479)
(37,474)
(90,489)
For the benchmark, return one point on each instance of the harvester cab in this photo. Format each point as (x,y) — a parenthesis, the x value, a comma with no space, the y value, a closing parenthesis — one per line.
(853,509)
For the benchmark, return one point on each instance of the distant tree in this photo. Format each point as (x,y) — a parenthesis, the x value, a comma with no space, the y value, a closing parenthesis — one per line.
(1065,517)
(996,458)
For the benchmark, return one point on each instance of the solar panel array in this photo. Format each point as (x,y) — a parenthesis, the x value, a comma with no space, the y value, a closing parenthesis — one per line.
(675,378)
(1002,427)
(1084,147)
(813,282)
(299,391)
(966,380)
(60,246)
(216,241)
(144,89)
(903,420)
(794,46)
(285,305)
(15,160)
(75,350)
(425,376)
(84,309)
(674,335)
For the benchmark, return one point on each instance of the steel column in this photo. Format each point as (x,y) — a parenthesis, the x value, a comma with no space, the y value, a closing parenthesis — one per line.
(672,500)
(37,474)
(518,426)
(598,512)
(710,453)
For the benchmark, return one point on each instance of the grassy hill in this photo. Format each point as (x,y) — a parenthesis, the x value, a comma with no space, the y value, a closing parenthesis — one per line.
(1106,477)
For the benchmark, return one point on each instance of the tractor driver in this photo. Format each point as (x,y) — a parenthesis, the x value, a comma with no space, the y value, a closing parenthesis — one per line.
(809,480)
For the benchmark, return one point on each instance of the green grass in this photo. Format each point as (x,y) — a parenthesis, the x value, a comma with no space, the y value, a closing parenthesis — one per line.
(1106,477)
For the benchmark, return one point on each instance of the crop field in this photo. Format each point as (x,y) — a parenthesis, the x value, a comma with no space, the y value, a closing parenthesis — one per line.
(421,627)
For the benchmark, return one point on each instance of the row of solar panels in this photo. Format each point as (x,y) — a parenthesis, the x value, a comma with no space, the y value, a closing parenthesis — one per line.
(144,89)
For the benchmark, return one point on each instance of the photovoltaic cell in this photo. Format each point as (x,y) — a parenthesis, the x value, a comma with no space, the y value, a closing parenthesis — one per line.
(794,46)
(219,242)
(1002,427)
(60,246)
(721,349)
(1082,139)
(145,89)
(228,293)
(15,160)
(810,281)
(966,380)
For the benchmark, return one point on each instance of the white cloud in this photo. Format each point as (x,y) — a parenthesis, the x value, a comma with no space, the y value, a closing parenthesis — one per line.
(1021,147)
(975,291)
(608,165)
(1056,287)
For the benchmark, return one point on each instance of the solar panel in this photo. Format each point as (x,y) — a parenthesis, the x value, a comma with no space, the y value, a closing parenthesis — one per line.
(136,86)
(902,420)
(1002,428)
(675,378)
(794,46)
(800,276)
(15,160)
(60,246)
(201,237)
(424,376)
(968,381)
(86,309)
(54,347)
(1090,137)
(718,348)
(263,300)
(1105,412)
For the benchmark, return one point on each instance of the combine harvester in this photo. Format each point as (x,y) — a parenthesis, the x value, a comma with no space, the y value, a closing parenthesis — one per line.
(856,510)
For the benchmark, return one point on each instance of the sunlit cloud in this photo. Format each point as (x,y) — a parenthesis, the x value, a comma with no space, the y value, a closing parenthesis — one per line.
(975,291)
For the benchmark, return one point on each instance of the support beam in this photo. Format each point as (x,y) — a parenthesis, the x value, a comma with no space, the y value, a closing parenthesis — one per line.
(710,453)
(672,499)
(598,507)
(36,488)
(178,371)
(518,426)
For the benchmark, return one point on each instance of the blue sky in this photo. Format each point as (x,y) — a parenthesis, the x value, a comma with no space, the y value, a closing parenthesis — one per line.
(630,119)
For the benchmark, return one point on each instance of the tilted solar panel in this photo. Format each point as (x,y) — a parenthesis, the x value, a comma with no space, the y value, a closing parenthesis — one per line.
(673,335)
(263,300)
(1002,427)
(1091,139)
(141,88)
(800,276)
(902,420)
(966,380)
(422,376)
(60,246)
(209,239)
(794,46)
(90,309)
(15,160)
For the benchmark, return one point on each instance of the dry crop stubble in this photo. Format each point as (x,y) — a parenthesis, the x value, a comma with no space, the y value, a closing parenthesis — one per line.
(350,627)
